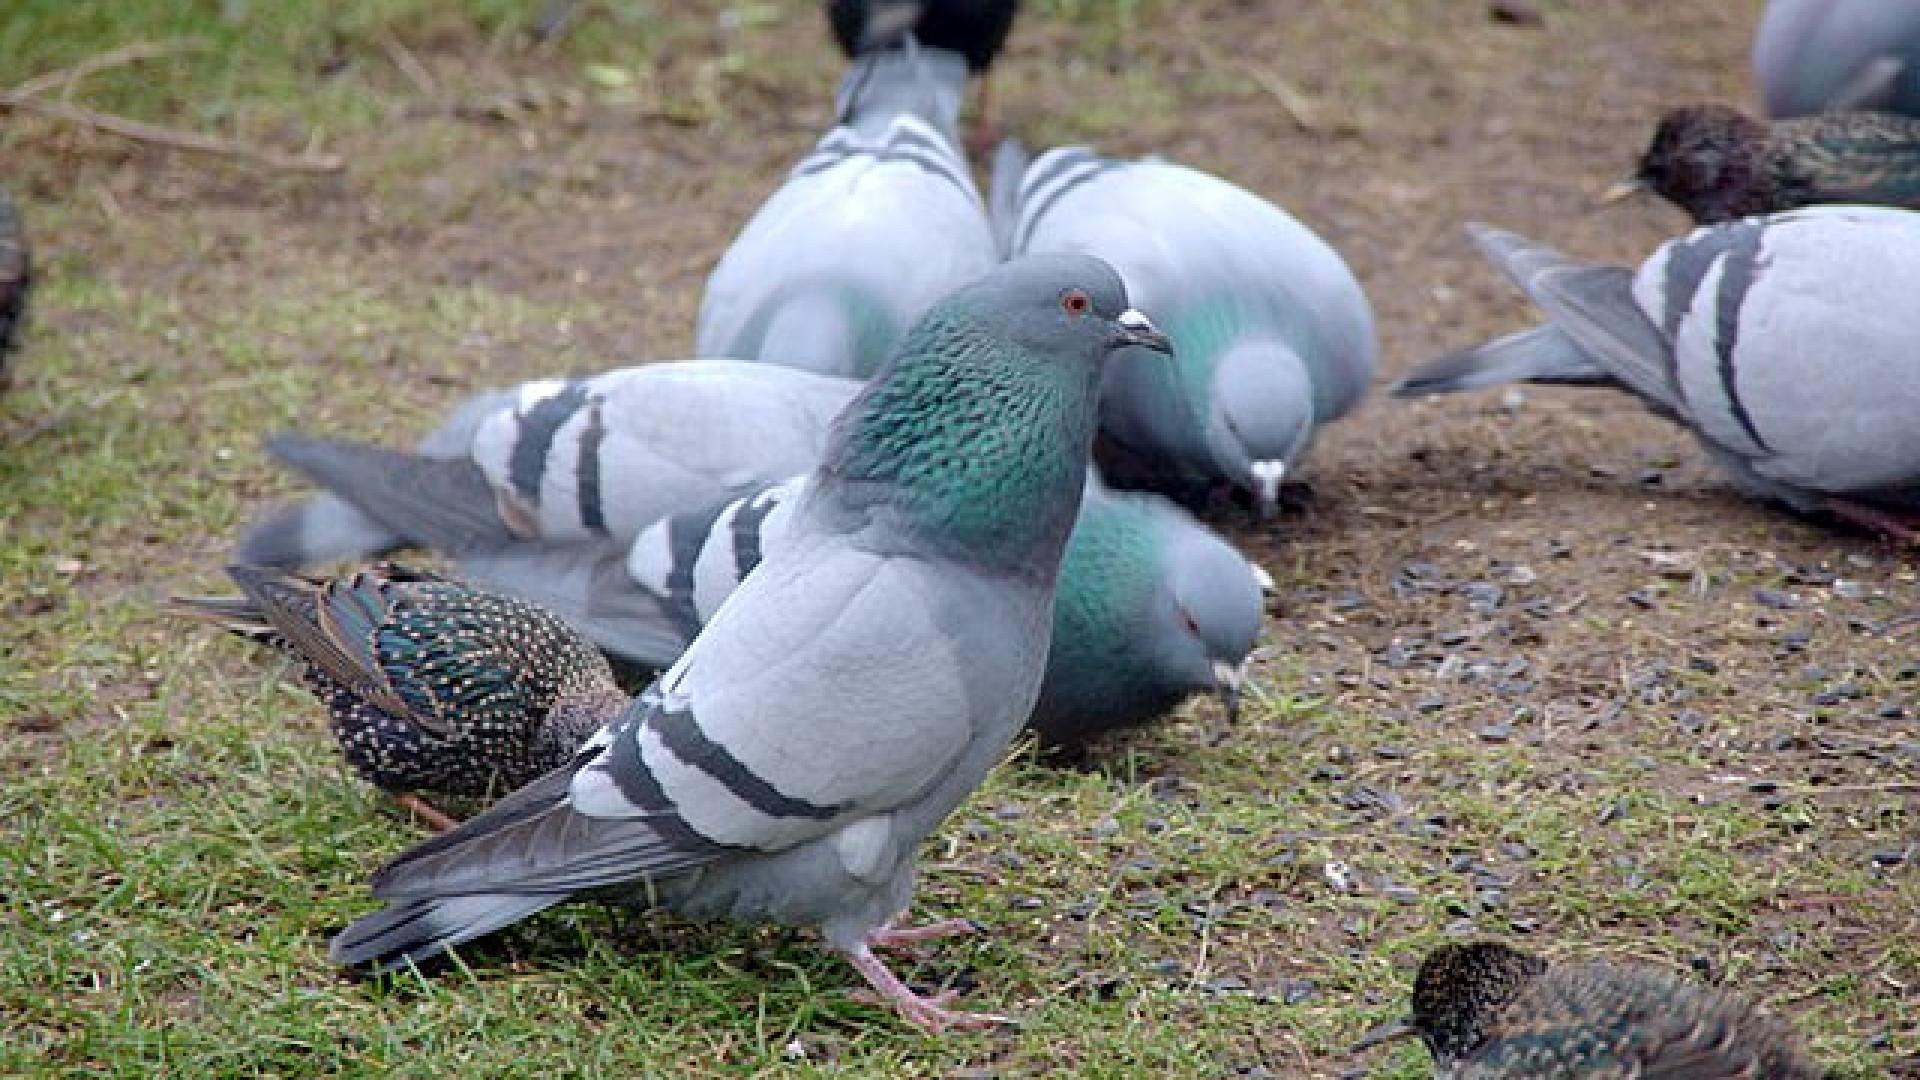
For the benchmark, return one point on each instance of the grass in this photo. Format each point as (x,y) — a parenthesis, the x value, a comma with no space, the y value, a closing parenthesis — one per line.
(178,839)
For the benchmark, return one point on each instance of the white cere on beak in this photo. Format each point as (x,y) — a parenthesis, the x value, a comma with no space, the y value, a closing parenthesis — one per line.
(1265,580)
(1267,476)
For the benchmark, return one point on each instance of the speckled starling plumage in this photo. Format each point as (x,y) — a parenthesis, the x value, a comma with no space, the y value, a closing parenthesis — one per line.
(1717,163)
(430,685)
(1490,1012)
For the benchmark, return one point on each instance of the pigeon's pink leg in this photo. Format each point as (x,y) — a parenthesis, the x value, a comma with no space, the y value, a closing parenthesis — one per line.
(926,1013)
(891,935)
(1904,528)
(432,816)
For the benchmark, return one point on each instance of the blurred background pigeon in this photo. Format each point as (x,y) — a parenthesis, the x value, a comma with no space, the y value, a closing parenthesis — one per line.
(1784,343)
(1812,56)
(1272,334)
(976,29)
(872,227)
(16,280)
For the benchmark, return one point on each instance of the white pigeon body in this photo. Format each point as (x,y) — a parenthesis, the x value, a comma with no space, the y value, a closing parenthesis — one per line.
(558,460)
(854,689)
(877,223)
(1273,336)
(1785,343)
(1813,56)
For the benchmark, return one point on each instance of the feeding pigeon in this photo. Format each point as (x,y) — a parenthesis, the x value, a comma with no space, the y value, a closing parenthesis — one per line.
(430,686)
(1816,55)
(877,223)
(1152,607)
(1490,1012)
(561,459)
(856,687)
(1272,336)
(976,29)
(16,278)
(1717,163)
(1784,343)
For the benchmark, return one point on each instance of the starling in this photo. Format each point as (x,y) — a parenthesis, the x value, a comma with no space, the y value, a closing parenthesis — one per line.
(1490,1012)
(430,685)
(1717,163)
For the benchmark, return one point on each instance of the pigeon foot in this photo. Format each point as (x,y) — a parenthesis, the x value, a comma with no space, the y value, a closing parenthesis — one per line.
(430,815)
(929,1014)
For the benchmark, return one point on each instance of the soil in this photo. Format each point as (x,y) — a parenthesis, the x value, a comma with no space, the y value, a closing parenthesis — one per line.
(1552,568)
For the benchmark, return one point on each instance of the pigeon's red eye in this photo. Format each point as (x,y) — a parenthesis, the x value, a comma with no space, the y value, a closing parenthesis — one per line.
(1075,302)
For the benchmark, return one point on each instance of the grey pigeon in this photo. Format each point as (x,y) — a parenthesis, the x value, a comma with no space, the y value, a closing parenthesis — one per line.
(1717,163)
(872,227)
(1491,1012)
(976,29)
(1272,335)
(1784,343)
(16,280)
(430,686)
(557,459)
(1814,56)
(857,686)
(1152,606)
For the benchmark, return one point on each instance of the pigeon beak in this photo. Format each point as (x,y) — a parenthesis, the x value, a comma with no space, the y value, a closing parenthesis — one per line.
(1137,329)
(1266,477)
(1623,189)
(1227,679)
(1386,1033)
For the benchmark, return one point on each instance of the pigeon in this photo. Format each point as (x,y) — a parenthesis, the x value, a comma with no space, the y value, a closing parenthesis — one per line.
(855,688)
(976,29)
(430,685)
(1487,1011)
(556,459)
(877,223)
(1272,335)
(1717,163)
(16,279)
(1817,55)
(1783,343)
(1152,606)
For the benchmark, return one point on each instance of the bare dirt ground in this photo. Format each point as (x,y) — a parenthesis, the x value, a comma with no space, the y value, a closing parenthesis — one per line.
(1555,576)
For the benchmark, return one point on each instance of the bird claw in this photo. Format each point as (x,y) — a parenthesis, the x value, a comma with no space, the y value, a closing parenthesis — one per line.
(926,1012)
(891,936)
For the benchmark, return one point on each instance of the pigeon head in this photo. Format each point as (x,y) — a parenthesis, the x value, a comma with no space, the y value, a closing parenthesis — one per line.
(1209,615)
(1260,416)
(1153,607)
(1462,988)
(1709,160)
(977,429)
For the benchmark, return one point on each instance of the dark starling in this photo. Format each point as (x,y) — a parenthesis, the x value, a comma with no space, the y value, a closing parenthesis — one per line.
(1718,163)
(430,685)
(16,277)
(1490,1012)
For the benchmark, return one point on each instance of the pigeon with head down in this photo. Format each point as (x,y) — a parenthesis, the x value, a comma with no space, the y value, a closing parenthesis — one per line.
(1272,335)
(872,227)
(1152,607)
(857,686)
(1784,343)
